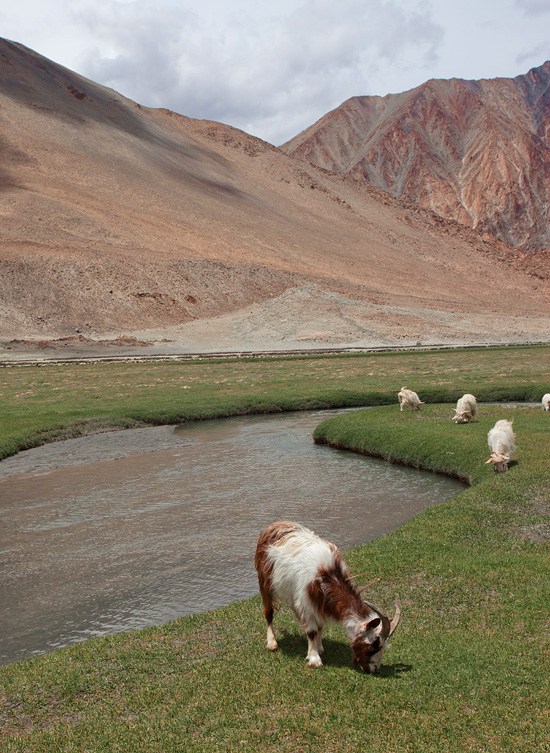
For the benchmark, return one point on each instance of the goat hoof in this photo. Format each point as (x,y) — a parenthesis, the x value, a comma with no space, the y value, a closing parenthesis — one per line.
(314,661)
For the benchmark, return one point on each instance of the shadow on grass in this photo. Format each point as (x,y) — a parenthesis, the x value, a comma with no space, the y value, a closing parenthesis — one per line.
(337,654)
(393,670)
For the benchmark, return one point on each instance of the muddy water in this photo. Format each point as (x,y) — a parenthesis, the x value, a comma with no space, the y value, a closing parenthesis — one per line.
(128,529)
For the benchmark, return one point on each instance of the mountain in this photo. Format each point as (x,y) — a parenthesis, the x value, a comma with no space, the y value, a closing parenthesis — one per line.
(473,151)
(123,223)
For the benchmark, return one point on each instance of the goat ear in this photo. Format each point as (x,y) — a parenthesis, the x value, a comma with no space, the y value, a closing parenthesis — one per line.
(489,461)
(372,624)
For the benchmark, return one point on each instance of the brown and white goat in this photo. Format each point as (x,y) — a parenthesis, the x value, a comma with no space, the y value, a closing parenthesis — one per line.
(466,409)
(502,444)
(297,567)
(410,398)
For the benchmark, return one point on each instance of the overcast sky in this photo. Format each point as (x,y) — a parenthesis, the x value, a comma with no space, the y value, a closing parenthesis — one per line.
(273,70)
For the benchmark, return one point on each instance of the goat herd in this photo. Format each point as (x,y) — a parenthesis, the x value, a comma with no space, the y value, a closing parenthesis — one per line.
(297,567)
(501,439)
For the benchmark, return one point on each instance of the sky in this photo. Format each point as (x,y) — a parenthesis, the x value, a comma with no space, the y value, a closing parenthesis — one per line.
(274,69)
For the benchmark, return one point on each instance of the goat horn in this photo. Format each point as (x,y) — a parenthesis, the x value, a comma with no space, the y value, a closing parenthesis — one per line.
(375,609)
(397,616)
(386,625)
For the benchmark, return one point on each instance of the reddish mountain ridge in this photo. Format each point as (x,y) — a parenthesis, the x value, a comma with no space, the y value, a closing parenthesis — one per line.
(473,151)
(122,222)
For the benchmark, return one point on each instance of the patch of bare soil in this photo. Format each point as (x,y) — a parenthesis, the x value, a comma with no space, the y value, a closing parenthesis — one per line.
(77,343)
(535,534)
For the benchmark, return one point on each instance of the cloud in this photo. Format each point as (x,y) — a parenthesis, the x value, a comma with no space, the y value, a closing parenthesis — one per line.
(271,75)
(535,56)
(533,7)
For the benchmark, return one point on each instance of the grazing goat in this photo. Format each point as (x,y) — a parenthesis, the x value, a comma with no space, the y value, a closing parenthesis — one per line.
(306,572)
(502,444)
(466,409)
(408,397)
(546,401)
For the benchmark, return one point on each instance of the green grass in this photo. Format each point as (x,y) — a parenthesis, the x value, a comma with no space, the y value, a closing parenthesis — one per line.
(468,667)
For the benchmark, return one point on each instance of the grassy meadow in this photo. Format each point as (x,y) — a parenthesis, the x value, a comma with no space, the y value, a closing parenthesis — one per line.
(42,403)
(468,669)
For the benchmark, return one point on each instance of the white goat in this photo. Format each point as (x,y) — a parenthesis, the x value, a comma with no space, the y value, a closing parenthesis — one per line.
(408,397)
(546,401)
(466,409)
(502,444)
(306,572)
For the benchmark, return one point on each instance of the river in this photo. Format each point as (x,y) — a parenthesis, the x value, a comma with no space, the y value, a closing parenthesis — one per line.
(122,530)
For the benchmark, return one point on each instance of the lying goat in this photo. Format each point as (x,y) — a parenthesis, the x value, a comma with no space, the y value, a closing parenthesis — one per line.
(466,409)
(546,401)
(408,397)
(502,444)
(306,572)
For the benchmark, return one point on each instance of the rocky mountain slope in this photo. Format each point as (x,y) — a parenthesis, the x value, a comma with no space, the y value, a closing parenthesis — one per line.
(473,151)
(121,222)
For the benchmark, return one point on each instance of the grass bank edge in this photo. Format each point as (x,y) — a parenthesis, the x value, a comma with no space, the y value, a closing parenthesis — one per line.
(430,440)
(42,431)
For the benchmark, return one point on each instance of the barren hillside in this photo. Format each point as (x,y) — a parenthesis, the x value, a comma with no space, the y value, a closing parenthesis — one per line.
(120,221)
(474,151)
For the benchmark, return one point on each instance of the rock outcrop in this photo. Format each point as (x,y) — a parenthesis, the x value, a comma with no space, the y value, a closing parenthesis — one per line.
(473,151)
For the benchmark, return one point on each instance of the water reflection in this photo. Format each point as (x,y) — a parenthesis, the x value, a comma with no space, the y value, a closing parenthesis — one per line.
(99,547)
